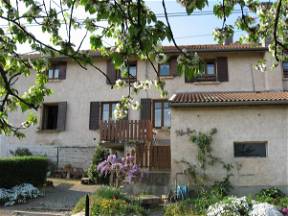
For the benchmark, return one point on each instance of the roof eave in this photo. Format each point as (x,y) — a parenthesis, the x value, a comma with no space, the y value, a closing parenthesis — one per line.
(261,49)
(240,103)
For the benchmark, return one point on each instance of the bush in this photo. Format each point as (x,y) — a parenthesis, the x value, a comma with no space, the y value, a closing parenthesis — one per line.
(99,155)
(272,192)
(26,169)
(21,152)
(110,201)
(273,196)
(179,209)
(107,207)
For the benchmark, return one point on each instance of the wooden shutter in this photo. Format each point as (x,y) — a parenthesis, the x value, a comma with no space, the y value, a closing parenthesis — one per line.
(145,113)
(94,115)
(222,69)
(111,73)
(61,118)
(173,66)
(62,68)
(43,124)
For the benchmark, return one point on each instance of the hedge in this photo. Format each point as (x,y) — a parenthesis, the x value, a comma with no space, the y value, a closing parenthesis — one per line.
(25,169)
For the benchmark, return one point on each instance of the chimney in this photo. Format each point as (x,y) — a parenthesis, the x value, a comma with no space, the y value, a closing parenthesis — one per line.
(228,40)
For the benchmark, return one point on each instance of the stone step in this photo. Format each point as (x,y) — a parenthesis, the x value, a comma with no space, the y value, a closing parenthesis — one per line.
(37,213)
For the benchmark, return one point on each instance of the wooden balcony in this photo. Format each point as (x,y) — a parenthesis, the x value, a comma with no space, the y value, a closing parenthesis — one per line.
(126,131)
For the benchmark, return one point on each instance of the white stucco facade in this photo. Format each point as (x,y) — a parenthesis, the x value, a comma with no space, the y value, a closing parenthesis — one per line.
(236,124)
(83,86)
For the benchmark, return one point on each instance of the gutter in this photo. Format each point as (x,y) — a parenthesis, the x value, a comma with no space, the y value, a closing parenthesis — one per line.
(258,49)
(239,103)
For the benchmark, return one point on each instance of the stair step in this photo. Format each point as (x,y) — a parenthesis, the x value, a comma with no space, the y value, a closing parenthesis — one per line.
(37,213)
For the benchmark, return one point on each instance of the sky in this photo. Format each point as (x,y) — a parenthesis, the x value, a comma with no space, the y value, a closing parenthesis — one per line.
(193,29)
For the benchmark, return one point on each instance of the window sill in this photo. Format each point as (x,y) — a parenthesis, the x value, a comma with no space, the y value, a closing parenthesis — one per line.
(49,131)
(166,77)
(208,82)
(54,80)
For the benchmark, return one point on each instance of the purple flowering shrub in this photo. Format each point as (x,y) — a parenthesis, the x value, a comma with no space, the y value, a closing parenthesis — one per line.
(121,169)
(284,211)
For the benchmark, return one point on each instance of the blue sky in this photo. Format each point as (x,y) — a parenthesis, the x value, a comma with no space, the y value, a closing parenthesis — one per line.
(195,29)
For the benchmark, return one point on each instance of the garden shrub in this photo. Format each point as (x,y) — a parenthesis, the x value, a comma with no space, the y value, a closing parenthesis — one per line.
(119,207)
(105,192)
(21,152)
(24,169)
(273,196)
(179,208)
(99,155)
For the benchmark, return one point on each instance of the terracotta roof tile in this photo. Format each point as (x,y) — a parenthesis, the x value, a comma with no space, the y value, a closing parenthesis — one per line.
(218,47)
(221,98)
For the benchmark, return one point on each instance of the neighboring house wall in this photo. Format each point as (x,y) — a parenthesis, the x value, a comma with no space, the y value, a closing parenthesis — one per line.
(83,86)
(245,123)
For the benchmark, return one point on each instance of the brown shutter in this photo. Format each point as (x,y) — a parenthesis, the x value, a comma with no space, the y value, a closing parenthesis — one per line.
(94,115)
(62,68)
(44,118)
(111,73)
(173,66)
(61,118)
(222,69)
(145,113)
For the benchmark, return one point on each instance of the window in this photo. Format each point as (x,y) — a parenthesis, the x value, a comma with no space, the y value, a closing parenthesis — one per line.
(53,73)
(54,116)
(285,69)
(162,114)
(57,71)
(250,149)
(210,69)
(164,69)
(50,115)
(132,70)
(108,111)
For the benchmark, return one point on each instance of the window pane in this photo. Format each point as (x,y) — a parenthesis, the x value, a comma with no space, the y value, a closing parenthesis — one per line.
(105,112)
(113,109)
(133,70)
(164,70)
(250,149)
(210,69)
(50,117)
(167,115)
(157,114)
(56,73)
(50,74)
(285,66)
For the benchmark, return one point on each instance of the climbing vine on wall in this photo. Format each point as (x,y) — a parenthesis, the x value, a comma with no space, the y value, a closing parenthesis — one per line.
(205,158)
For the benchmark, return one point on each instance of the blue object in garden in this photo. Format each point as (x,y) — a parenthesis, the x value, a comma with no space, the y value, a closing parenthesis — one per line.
(182,192)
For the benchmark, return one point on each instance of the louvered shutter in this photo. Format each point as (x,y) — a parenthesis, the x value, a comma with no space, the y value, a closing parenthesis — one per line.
(62,68)
(61,118)
(111,73)
(94,115)
(222,69)
(145,113)
(173,66)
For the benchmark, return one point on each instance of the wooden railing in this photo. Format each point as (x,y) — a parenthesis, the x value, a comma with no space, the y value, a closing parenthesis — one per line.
(126,130)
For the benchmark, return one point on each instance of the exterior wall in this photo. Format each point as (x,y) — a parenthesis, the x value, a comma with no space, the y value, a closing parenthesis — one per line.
(83,86)
(258,123)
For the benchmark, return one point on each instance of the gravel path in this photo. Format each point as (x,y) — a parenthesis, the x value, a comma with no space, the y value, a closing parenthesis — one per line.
(61,198)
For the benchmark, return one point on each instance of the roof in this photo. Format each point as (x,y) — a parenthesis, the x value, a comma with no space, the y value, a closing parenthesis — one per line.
(194,48)
(228,98)
(217,47)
